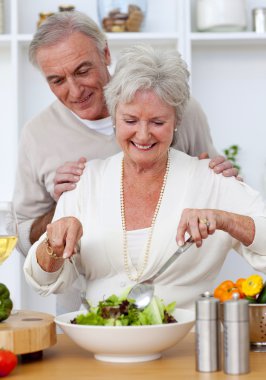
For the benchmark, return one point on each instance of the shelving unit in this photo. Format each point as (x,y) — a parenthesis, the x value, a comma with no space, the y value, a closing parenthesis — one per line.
(228,77)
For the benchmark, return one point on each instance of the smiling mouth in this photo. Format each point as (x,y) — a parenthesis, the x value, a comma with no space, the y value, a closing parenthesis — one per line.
(83,100)
(143,147)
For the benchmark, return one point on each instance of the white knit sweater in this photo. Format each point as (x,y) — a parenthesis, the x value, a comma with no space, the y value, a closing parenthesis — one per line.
(190,183)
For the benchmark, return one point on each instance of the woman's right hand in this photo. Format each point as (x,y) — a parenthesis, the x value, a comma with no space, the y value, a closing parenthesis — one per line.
(63,236)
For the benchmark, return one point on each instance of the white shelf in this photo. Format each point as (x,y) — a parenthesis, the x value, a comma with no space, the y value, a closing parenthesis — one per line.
(5,38)
(247,38)
(24,37)
(123,38)
(142,36)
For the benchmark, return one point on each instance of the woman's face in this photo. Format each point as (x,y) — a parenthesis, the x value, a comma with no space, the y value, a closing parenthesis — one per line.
(144,128)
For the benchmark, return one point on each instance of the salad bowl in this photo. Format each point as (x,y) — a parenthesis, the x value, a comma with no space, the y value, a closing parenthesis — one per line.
(123,344)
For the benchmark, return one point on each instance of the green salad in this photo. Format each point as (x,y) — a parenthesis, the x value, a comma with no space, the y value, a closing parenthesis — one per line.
(119,311)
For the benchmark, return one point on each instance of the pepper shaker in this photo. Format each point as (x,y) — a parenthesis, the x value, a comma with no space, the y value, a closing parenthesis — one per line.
(236,336)
(208,334)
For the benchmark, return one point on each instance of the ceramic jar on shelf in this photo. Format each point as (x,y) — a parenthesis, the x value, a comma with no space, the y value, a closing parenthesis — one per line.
(122,15)
(221,15)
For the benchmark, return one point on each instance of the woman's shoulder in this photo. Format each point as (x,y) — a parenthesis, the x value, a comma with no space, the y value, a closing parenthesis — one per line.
(189,165)
(179,157)
(99,164)
(96,168)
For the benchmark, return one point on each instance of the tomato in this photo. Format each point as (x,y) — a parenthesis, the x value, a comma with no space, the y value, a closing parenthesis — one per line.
(8,361)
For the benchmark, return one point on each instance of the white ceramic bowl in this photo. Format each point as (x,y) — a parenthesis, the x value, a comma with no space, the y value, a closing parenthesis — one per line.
(127,343)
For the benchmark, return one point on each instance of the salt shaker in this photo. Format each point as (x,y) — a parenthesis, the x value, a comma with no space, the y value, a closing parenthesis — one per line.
(208,331)
(236,336)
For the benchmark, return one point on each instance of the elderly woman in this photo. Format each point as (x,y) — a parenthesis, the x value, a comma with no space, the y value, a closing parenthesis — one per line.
(128,212)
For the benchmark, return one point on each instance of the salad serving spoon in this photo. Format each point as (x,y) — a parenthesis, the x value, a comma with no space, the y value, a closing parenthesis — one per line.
(143,292)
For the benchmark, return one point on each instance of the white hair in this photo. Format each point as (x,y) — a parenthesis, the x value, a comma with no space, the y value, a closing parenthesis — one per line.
(60,26)
(142,67)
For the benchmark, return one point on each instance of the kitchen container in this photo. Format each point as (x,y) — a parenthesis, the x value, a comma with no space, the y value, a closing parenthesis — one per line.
(1,16)
(66,8)
(42,17)
(257,321)
(236,336)
(122,15)
(208,330)
(221,15)
(259,20)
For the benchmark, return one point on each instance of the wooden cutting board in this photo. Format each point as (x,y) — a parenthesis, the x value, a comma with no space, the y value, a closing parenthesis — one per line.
(27,332)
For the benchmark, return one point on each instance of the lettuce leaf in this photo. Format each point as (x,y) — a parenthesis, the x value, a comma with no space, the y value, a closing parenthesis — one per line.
(118,311)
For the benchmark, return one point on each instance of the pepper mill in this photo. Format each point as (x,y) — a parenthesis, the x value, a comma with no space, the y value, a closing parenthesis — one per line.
(208,331)
(236,336)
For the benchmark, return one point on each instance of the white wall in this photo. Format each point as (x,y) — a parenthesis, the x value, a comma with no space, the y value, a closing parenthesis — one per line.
(229,83)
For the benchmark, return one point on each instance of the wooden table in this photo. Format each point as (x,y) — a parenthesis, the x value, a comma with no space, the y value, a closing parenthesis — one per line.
(67,361)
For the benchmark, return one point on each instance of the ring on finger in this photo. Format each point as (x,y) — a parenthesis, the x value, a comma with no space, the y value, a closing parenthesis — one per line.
(205,221)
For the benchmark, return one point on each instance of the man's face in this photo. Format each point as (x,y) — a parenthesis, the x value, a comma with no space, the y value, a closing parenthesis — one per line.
(76,74)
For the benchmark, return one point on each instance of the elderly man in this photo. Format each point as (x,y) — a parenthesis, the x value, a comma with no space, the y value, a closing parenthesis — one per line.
(73,55)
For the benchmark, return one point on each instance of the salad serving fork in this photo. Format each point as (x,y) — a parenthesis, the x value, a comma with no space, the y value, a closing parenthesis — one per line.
(83,298)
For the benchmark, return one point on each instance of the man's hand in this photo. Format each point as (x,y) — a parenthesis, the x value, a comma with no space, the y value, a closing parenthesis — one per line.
(67,176)
(220,165)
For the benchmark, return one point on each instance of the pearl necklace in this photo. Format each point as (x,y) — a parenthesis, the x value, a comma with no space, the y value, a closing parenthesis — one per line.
(136,277)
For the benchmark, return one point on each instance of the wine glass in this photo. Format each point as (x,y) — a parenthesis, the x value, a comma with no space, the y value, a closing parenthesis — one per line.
(8,230)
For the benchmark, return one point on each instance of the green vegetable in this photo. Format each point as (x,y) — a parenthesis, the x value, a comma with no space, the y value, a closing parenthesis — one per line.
(6,304)
(262,296)
(118,311)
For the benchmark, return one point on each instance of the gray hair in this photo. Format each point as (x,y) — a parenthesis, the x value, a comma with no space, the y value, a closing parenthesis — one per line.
(142,67)
(60,26)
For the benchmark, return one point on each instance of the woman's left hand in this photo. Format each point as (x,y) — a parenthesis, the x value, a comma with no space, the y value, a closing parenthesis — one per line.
(199,223)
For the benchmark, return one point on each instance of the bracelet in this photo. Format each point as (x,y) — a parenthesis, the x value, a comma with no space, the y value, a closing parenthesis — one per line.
(49,250)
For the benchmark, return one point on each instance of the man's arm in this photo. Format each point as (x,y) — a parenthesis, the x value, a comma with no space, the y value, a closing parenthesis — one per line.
(39,225)
(30,197)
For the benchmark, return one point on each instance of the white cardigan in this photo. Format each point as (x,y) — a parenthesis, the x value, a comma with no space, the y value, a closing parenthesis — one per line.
(190,184)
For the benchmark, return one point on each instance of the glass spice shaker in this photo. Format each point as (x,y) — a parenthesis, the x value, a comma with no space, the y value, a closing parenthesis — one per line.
(1,16)
(259,20)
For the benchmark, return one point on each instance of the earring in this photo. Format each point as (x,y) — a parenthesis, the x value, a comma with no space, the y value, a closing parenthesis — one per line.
(175,129)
